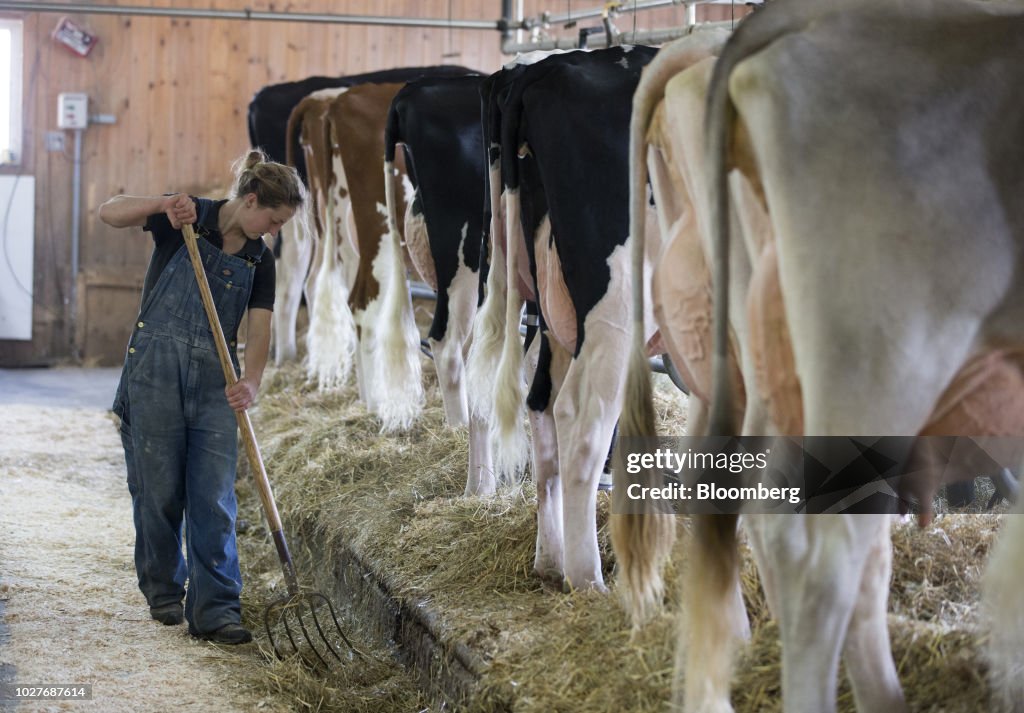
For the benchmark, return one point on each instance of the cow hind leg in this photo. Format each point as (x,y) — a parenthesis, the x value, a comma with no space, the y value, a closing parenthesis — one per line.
(1004,618)
(292,266)
(456,314)
(867,651)
(585,417)
(819,561)
(481,480)
(451,369)
(331,339)
(548,561)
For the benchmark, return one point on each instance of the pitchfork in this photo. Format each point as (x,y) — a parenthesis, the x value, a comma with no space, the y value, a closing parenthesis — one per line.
(297,602)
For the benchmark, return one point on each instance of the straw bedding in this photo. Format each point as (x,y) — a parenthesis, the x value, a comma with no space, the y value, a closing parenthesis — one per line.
(397,502)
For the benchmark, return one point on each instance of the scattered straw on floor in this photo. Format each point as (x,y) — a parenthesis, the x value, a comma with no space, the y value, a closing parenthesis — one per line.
(397,501)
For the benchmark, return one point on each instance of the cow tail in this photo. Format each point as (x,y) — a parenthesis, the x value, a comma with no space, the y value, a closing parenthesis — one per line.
(400,378)
(714,618)
(291,136)
(753,34)
(489,324)
(720,114)
(508,432)
(331,339)
(642,540)
(1003,609)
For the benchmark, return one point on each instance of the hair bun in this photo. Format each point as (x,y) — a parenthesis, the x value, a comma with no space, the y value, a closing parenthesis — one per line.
(273,183)
(253,158)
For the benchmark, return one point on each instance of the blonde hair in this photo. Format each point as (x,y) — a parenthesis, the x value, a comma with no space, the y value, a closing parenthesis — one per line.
(273,183)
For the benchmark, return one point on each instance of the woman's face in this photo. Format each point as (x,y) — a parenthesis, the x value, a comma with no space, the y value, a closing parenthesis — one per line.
(258,220)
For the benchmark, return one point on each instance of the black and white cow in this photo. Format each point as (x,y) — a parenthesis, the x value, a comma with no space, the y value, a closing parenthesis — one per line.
(563,146)
(437,122)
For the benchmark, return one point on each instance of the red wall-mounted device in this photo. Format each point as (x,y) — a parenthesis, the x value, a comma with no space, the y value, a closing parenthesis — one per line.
(73,37)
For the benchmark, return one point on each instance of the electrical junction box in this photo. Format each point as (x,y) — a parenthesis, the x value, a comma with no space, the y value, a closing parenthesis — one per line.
(73,37)
(72,110)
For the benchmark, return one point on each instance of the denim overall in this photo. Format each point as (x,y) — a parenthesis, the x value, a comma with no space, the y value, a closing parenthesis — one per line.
(180,439)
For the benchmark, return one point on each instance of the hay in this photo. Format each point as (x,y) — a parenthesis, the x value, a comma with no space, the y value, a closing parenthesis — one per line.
(396,501)
(937,570)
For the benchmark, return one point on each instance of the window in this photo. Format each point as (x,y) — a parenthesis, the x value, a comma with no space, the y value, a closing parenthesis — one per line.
(10,90)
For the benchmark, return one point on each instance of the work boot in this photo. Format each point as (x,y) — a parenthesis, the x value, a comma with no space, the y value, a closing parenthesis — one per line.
(168,614)
(230,634)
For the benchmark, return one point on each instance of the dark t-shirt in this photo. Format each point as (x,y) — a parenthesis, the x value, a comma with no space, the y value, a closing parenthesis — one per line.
(167,241)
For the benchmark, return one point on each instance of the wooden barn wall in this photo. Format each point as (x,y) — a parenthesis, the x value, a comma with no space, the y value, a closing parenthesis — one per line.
(179,89)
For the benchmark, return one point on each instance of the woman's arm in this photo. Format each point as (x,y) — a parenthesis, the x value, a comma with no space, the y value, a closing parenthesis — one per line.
(257,350)
(126,211)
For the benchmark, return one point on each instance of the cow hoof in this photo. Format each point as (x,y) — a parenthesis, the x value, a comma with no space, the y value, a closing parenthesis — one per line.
(550,576)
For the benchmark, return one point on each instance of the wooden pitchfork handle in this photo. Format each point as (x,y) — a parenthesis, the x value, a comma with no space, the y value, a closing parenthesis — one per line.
(252,450)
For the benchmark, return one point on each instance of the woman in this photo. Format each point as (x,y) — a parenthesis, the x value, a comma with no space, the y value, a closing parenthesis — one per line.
(177,425)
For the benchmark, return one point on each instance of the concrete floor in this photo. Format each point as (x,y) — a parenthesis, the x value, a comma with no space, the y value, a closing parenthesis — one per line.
(60,386)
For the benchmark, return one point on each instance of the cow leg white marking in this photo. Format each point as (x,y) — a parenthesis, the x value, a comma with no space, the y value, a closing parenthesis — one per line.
(449,365)
(549,557)
(331,339)
(585,414)
(296,253)
(481,480)
(450,352)
(366,370)
(399,380)
(315,260)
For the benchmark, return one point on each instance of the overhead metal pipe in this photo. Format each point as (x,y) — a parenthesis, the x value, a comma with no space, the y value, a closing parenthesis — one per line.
(247,14)
(624,6)
(600,40)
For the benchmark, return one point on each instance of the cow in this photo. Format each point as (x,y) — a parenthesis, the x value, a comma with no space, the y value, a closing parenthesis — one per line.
(267,116)
(564,179)
(489,326)
(391,389)
(331,339)
(894,259)
(437,122)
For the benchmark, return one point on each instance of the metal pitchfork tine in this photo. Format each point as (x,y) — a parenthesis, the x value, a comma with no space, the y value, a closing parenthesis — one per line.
(296,599)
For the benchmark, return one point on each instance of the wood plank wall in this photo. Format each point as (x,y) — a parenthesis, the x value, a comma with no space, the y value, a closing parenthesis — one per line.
(179,89)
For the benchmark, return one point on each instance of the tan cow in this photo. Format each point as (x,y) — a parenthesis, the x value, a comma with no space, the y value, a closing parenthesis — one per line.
(882,138)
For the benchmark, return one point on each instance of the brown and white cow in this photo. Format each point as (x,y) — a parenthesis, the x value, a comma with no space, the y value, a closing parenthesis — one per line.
(357,120)
(331,338)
